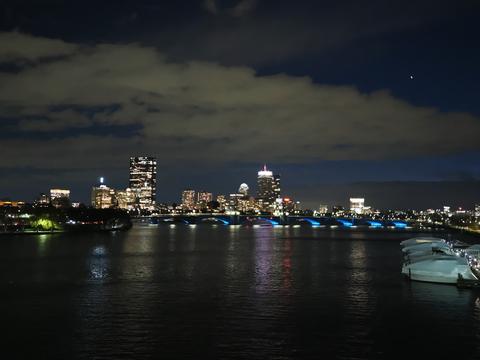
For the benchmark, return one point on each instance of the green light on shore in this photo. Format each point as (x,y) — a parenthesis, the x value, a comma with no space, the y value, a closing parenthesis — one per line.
(44,224)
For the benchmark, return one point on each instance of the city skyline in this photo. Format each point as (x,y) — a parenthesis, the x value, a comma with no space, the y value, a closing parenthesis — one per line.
(240,179)
(102,194)
(339,99)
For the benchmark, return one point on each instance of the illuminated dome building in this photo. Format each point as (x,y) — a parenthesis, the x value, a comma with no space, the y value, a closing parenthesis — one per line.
(243,189)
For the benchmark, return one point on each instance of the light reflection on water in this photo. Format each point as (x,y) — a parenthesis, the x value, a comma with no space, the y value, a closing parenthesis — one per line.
(98,263)
(263,258)
(287,265)
(42,244)
(229,292)
(359,303)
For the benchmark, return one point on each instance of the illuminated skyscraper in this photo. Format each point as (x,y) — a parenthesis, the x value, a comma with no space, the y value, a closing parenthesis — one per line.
(203,198)
(125,199)
(188,199)
(143,180)
(266,189)
(235,203)
(103,197)
(265,184)
(222,202)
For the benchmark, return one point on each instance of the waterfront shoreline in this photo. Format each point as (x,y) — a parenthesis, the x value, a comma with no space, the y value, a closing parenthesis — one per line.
(68,231)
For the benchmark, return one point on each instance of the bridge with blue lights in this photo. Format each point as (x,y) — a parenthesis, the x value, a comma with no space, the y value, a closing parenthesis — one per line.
(263,220)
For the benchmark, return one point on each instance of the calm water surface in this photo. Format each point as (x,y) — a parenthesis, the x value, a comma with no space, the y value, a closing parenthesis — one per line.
(226,293)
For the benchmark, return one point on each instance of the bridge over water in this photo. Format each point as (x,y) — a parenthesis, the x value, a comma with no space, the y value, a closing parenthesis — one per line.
(263,220)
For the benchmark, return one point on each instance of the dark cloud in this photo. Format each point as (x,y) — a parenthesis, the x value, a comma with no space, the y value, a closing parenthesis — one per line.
(234,32)
(18,47)
(211,6)
(228,112)
(281,31)
(237,8)
(71,106)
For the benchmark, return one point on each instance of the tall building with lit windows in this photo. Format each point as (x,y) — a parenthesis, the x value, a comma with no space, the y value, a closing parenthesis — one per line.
(143,181)
(125,199)
(103,197)
(203,198)
(266,193)
(277,192)
(222,202)
(188,199)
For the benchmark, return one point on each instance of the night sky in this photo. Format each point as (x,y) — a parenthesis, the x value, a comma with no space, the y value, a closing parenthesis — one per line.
(342,98)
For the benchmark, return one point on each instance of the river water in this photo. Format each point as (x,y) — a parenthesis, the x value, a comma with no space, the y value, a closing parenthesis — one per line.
(219,292)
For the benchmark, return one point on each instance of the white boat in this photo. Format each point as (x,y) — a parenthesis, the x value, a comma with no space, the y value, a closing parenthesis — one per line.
(421,255)
(446,269)
(420,240)
(431,247)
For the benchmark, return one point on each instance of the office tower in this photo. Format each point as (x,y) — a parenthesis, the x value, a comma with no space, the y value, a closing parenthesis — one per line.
(265,192)
(357,205)
(265,183)
(222,202)
(60,197)
(276,186)
(103,197)
(188,199)
(126,199)
(143,181)
(234,203)
(203,198)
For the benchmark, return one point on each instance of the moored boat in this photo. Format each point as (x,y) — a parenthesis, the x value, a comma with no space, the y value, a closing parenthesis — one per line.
(440,261)
(445,269)
(421,240)
(426,247)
